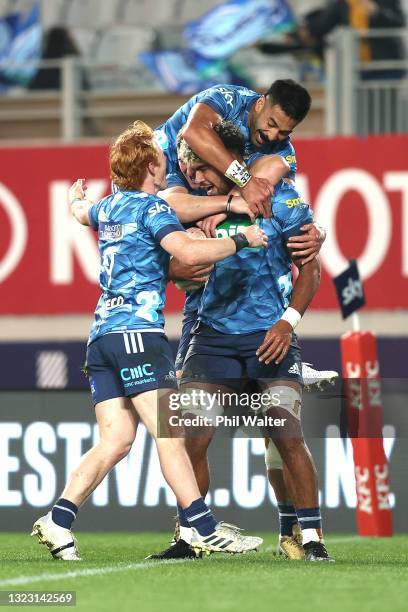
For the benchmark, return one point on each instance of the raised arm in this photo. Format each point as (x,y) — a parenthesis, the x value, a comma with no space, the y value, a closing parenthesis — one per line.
(79,204)
(199,134)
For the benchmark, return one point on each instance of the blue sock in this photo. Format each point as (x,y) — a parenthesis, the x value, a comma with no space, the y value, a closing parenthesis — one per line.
(287,518)
(309,518)
(182,517)
(64,513)
(199,516)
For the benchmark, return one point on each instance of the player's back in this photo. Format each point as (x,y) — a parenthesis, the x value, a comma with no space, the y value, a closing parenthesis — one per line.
(133,273)
(249,291)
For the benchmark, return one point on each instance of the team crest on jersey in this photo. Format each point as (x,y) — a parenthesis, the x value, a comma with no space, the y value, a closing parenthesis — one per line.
(110,231)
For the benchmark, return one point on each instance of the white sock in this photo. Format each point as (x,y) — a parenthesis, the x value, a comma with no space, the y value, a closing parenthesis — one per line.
(310,535)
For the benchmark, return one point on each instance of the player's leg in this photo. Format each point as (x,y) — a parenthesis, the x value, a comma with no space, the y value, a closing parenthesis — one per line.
(286,404)
(283,383)
(208,535)
(152,402)
(290,537)
(117,423)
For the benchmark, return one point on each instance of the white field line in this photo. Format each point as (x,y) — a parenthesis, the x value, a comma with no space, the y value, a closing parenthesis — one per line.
(21,580)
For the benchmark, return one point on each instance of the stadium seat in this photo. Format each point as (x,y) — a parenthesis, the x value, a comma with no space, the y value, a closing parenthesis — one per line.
(122,44)
(86,41)
(91,13)
(190,11)
(137,12)
(53,12)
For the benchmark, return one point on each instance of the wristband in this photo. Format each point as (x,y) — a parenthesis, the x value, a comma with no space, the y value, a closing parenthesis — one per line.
(238,173)
(77,200)
(291,316)
(241,241)
(229,201)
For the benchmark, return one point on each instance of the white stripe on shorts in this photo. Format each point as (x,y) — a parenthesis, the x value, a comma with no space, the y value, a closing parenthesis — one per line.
(140,340)
(127,345)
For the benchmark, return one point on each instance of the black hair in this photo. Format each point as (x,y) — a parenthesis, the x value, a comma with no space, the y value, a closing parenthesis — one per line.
(294,100)
(231,136)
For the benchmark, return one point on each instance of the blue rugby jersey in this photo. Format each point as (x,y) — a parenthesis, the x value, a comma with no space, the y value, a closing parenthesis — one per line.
(134,267)
(249,291)
(232,103)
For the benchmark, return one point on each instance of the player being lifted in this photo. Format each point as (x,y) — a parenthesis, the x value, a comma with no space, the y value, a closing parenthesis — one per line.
(129,360)
(266,122)
(242,320)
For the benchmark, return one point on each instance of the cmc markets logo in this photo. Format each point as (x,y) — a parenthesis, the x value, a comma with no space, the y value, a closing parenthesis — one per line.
(137,372)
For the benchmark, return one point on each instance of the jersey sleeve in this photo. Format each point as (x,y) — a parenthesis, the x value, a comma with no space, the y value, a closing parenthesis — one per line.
(288,153)
(294,213)
(93,213)
(161,220)
(176,179)
(222,99)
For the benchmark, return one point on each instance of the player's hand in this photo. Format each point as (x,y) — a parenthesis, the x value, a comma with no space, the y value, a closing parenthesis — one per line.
(209,224)
(239,206)
(195,274)
(276,343)
(256,237)
(77,190)
(308,245)
(258,193)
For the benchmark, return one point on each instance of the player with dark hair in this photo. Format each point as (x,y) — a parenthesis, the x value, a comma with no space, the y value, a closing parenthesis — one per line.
(266,126)
(206,177)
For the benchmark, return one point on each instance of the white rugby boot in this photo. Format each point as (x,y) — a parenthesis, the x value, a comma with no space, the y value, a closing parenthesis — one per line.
(317,379)
(225,538)
(60,541)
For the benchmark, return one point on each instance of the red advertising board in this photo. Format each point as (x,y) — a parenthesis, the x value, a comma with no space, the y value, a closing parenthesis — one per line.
(49,264)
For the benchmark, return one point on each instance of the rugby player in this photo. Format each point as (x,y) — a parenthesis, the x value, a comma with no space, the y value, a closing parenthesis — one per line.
(129,361)
(227,310)
(266,122)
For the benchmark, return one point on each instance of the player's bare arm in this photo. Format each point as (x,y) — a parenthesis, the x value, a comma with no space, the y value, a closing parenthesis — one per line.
(80,205)
(195,252)
(190,208)
(307,246)
(199,134)
(279,337)
(179,271)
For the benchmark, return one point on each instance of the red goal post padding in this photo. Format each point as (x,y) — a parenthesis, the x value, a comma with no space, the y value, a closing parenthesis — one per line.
(364,418)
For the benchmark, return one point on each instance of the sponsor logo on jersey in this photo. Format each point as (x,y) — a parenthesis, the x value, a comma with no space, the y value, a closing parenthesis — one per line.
(114,302)
(230,228)
(161,139)
(110,231)
(293,202)
(228,95)
(158,208)
(291,159)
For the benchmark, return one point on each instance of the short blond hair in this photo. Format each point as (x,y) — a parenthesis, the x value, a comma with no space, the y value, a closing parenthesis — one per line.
(130,155)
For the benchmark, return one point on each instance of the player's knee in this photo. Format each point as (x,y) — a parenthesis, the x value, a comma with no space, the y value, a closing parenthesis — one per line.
(117,449)
(273,460)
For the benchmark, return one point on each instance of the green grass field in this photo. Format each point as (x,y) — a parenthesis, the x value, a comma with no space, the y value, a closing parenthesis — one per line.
(369,575)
